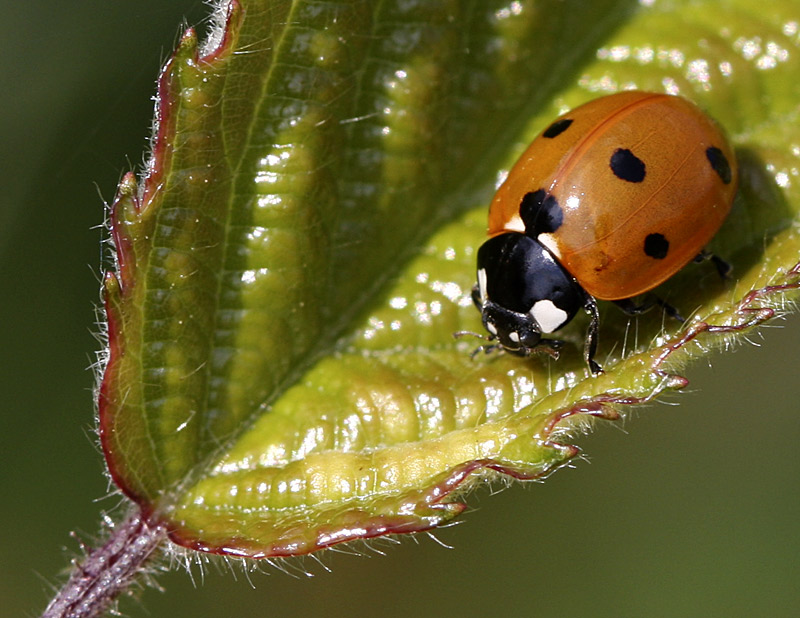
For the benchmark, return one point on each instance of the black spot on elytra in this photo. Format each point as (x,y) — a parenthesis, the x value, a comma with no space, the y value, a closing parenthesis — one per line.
(540,212)
(557,128)
(627,166)
(719,163)
(656,246)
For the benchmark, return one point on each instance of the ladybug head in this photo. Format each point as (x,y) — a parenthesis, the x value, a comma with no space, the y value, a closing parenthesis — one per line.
(518,333)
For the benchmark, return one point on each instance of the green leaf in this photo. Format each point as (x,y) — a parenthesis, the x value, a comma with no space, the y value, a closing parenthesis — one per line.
(282,374)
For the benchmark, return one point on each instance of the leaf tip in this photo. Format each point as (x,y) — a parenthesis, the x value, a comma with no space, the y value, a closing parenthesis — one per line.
(187,46)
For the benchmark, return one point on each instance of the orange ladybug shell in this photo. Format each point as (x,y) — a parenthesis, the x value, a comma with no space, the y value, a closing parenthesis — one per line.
(643,181)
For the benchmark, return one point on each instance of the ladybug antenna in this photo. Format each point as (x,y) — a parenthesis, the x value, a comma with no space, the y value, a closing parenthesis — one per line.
(468,333)
(486,349)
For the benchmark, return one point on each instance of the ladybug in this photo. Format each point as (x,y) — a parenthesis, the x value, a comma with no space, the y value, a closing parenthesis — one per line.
(609,201)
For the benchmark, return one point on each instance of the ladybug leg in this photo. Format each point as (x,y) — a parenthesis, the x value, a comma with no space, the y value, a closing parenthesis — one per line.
(632,309)
(476,296)
(551,347)
(590,348)
(486,349)
(723,267)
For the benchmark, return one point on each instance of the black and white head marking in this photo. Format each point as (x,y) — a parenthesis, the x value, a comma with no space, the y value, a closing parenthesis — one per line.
(523,292)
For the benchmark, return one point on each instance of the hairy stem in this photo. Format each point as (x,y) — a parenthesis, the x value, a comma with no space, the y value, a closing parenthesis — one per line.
(107,571)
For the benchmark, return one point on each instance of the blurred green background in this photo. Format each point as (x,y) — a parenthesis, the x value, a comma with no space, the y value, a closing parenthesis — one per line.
(692,510)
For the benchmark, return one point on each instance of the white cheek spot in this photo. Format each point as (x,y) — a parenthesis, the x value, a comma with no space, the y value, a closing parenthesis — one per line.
(491,328)
(548,316)
(550,243)
(482,284)
(515,224)
(514,336)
